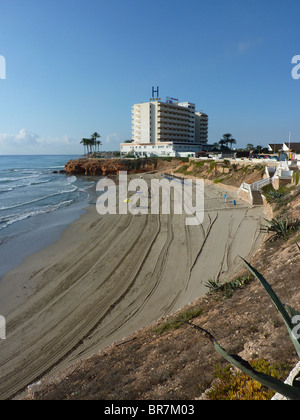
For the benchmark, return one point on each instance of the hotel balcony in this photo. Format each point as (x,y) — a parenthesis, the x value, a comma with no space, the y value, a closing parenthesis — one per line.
(173,119)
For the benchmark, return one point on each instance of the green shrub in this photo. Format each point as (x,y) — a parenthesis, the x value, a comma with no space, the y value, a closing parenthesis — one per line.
(212,165)
(281,228)
(238,386)
(183,169)
(272,195)
(245,169)
(199,164)
(227,289)
(291,392)
(174,323)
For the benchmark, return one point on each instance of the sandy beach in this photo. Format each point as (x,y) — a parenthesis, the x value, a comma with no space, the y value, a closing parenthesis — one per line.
(108,276)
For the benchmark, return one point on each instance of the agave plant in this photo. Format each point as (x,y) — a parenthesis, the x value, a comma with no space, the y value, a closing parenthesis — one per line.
(228,288)
(281,228)
(291,392)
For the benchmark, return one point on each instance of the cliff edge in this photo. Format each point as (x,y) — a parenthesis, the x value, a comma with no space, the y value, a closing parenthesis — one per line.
(114,166)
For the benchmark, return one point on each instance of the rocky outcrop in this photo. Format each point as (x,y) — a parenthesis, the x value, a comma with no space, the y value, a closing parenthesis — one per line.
(114,166)
(294,376)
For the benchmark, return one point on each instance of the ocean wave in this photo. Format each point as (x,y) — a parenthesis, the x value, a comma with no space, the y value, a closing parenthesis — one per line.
(4,180)
(28,184)
(85,189)
(4,222)
(6,218)
(6,190)
(27,170)
(71,179)
(38,182)
(39,199)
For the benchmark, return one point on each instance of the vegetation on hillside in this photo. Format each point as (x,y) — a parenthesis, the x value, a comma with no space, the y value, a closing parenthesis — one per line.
(225,172)
(288,314)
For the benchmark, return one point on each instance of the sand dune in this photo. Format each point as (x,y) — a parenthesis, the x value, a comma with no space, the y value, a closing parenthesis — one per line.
(109,276)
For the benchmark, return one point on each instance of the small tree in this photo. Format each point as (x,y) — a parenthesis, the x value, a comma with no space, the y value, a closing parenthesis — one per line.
(85,143)
(99,143)
(222,144)
(228,139)
(92,144)
(94,138)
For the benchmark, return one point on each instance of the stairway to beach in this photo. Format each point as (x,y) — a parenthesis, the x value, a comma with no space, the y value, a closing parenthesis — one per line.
(257,198)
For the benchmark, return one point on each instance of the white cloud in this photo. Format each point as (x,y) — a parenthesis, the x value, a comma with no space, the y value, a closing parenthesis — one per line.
(244,46)
(26,142)
(112,141)
(25,137)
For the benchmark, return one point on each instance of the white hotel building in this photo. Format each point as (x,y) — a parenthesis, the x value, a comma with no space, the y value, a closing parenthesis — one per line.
(166,129)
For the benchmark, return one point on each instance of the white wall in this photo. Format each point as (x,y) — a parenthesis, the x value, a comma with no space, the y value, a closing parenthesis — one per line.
(145,122)
(153,122)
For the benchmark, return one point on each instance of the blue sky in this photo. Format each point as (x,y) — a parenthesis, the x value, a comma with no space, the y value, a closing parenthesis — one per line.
(77,66)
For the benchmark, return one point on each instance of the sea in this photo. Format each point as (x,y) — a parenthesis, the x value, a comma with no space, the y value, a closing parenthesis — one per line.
(37,202)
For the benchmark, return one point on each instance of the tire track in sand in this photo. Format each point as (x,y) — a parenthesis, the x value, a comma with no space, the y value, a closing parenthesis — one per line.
(37,356)
(125,271)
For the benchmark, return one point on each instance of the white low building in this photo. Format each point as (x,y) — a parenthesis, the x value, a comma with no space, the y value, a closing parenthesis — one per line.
(166,129)
(158,149)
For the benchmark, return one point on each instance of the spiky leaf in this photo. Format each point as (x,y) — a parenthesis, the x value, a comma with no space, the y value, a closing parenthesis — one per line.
(278,304)
(290,392)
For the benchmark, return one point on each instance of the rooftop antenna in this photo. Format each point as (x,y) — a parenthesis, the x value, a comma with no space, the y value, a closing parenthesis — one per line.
(289,140)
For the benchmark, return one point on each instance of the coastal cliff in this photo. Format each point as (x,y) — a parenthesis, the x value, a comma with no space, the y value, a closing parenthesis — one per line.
(114,166)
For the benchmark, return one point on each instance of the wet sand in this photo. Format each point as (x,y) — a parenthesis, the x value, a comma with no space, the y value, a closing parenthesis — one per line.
(108,276)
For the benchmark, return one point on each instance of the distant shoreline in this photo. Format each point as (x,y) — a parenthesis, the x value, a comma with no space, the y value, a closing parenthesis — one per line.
(36,204)
(47,230)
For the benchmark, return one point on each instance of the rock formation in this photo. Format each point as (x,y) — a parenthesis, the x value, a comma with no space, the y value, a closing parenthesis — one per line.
(114,166)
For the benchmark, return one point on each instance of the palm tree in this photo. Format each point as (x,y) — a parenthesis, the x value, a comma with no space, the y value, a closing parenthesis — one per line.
(85,143)
(90,143)
(228,139)
(99,143)
(222,143)
(231,142)
(94,138)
